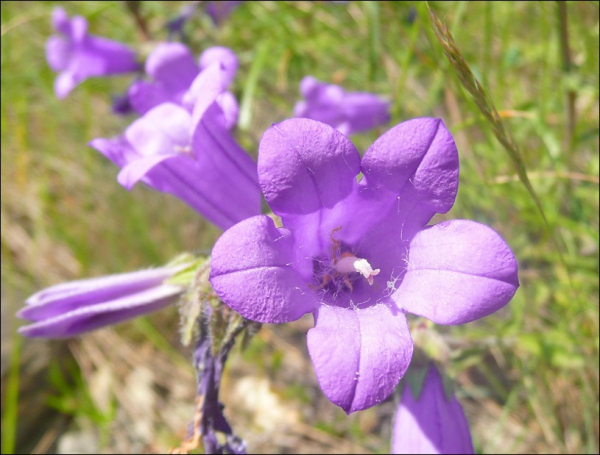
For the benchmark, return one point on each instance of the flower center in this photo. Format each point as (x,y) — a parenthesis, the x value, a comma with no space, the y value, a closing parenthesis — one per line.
(348,263)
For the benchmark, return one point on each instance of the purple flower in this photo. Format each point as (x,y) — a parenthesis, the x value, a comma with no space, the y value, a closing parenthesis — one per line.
(347,112)
(69,309)
(360,255)
(431,422)
(190,155)
(219,11)
(171,70)
(77,55)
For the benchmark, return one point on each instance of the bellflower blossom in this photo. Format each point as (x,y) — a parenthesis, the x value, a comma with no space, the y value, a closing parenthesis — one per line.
(192,156)
(171,69)
(358,255)
(431,422)
(69,309)
(347,112)
(77,55)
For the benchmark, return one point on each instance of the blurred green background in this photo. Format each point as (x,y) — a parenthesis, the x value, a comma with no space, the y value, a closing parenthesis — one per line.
(527,376)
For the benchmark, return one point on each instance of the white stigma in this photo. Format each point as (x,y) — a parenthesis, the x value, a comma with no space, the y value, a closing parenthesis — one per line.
(351,263)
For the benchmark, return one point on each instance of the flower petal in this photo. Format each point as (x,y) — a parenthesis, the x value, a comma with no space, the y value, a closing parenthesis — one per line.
(92,317)
(136,170)
(162,131)
(359,355)
(305,165)
(421,153)
(65,297)
(225,57)
(64,83)
(144,95)
(457,271)
(252,271)
(431,423)
(173,65)
(58,53)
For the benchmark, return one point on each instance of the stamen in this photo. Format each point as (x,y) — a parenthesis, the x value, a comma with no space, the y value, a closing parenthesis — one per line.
(349,263)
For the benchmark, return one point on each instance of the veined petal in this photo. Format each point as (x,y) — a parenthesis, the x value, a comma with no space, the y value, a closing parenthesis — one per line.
(118,150)
(305,166)
(430,423)
(136,170)
(162,131)
(92,317)
(65,297)
(204,91)
(457,271)
(420,153)
(252,271)
(359,355)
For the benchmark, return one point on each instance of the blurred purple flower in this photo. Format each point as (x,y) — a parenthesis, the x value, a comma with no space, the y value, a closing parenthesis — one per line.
(347,112)
(69,309)
(219,11)
(360,255)
(431,422)
(171,69)
(192,156)
(76,55)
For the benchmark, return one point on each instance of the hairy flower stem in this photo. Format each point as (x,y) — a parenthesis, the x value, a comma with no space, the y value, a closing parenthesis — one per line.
(209,371)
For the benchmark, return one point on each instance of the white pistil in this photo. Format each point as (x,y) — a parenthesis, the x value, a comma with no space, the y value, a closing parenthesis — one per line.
(185,149)
(350,263)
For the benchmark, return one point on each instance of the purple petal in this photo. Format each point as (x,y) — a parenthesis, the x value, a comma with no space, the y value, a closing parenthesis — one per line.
(458,271)
(117,150)
(431,423)
(219,11)
(359,355)
(61,21)
(137,170)
(230,108)
(365,111)
(65,297)
(58,53)
(92,317)
(204,91)
(114,57)
(144,95)
(225,57)
(78,29)
(305,166)
(173,65)
(410,173)
(64,83)
(252,272)
(164,130)
(420,153)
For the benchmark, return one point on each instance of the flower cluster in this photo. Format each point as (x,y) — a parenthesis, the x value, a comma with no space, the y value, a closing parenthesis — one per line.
(354,247)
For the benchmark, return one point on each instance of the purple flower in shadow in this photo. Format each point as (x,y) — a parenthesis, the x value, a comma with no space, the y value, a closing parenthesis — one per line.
(358,255)
(171,69)
(190,155)
(76,55)
(73,308)
(347,112)
(431,422)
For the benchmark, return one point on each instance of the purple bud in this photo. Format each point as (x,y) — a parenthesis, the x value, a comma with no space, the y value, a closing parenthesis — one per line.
(68,309)
(430,423)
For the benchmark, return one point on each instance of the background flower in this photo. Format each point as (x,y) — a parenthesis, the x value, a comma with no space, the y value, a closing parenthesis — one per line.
(76,55)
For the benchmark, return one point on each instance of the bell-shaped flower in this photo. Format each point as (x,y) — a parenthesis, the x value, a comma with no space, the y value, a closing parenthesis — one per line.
(69,309)
(190,155)
(431,422)
(77,55)
(358,255)
(347,112)
(171,69)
